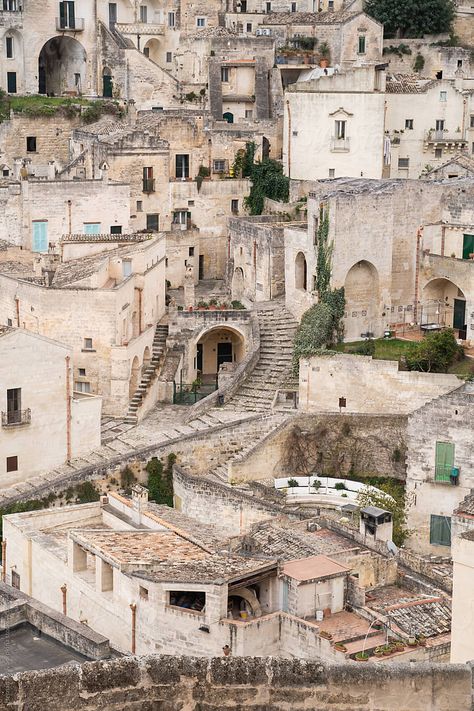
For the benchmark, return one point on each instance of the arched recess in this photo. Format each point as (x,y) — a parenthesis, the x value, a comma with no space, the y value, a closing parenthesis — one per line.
(228,116)
(62,67)
(152,50)
(362,294)
(444,303)
(301,272)
(107,83)
(216,346)
(246,595)
(134,377)
(238,282)
(146,358)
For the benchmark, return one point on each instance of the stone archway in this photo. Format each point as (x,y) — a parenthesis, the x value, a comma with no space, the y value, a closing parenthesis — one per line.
(216,346)
(444,304)
(249,596)
(362,293)
(238,283)
(152,50)
(135,373)
(62,67)
(301,272)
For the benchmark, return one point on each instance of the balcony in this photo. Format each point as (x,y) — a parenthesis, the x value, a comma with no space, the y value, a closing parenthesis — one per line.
(340,145)
(139,28)
(445,139)
(72,25)
(149,186)
(443,472)
(16,418)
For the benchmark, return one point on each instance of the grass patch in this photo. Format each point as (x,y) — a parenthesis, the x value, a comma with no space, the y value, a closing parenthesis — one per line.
(36,106)
(385,349)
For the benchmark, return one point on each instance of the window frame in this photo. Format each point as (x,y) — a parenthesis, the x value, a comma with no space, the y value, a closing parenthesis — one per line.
(438,521)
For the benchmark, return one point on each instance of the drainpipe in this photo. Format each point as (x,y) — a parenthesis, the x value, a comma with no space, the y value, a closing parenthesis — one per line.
(64,594)
(443,239)
(140,325)
(17,305)
(419,236)
(133,608)
(289,138)
(68,409)
(4,561)
(69,216)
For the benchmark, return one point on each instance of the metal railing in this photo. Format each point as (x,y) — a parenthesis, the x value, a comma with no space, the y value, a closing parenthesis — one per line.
(15,418)
(149,185)
(443,472)
(73,25)
(190,394)
(340,144)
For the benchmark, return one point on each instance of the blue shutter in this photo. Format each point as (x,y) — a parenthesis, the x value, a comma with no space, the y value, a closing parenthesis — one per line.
(40,236)
(92,228)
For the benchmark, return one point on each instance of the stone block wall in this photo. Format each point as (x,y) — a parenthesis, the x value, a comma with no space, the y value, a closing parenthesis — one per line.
(241,684)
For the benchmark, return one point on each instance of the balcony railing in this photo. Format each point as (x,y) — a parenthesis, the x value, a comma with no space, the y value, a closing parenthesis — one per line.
(442,472)
(139,28)
(434,136)
(16,418)
(149,186)
(340,144)
(75,25)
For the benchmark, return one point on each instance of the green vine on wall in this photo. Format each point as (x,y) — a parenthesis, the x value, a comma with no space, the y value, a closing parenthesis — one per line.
(324,258)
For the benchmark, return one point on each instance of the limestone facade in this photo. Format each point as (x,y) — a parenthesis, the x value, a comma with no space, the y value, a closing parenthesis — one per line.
(39,406)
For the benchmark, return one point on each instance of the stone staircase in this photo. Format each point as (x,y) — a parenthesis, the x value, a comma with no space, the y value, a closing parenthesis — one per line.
(274,368)
(148,374)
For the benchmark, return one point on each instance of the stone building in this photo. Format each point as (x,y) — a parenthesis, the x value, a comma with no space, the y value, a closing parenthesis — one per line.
(398,272)
(45,420)
(462,648)
(103,299)
(439,444)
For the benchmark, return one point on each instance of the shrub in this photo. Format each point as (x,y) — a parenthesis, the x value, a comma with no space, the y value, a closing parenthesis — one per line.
(419,64)
(238,305)
(86,492)
(160,482)
(412,18)
(367,348)
(435,353)
(127,479)
(316,485)
(292,483)
(267,181)
(340,486)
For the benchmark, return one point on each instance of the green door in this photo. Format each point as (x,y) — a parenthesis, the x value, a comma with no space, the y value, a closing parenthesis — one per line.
(444,460)
(467,246)
(459,317)
(107,86)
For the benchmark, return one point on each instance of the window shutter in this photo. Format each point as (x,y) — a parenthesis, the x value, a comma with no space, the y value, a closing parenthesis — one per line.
(40,236)
(62,14)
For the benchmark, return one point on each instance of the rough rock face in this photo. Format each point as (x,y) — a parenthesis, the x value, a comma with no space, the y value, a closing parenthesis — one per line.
(163,683)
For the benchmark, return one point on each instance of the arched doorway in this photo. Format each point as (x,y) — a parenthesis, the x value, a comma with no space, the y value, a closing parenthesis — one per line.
(62,67)
(444,304)
(134,377)
(243,600)
(228,116)
(152,50)
(301,272)
(238,283)
(107,84)
(362,300)
(218,345)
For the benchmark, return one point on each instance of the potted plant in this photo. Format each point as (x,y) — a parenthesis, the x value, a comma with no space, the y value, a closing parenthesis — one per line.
(378,652)
(324,55)
(224,306)
(399,646)
(362,657)
(421,639)
(387,650)
(412,642)
(203,305)
(212,304)
(316,486)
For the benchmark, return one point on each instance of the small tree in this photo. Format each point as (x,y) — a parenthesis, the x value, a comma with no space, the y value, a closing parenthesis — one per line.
(412,18)
(435,353)
(160,482)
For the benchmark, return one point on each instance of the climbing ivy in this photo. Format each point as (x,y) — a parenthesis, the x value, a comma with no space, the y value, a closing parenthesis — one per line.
(321,325)
(268,181)
(244,161)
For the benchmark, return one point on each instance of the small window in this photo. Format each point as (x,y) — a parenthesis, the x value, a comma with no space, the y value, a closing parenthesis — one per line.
(82,372)
(9,47)
(293,7)
(182,166)
(139,205)
(439,125)
(116,229)
(248,113)
(332,172)
(171,19)
(361,49)
(31,144)
(438,153)
(409,124)
(234,207)
(91,228)
(219,166)
(143,14)
(87,344)
(200,21)
(153,222)
(443,95)
(5,172)
(268,7)
(12,464)
(146,51)
(15,580)
(143,592)
(11,82)
(472,148)
(403,162)
(340,130)
(330,4)
(9,322)
(249,27)
(82,387)
(440,530)
(225,74)
(169,57)
(459,63)
(191,252)
(190,203)
(189,600)
(471,121)
(126,268)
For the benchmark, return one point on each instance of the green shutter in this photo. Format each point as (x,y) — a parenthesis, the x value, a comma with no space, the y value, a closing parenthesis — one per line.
(440,530)
(40,237)
(467,246)
(444,460)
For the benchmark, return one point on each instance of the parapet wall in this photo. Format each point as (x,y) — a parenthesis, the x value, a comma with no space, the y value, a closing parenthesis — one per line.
(240,684)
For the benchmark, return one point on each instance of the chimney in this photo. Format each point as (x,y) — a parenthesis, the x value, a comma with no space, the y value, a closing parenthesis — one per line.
(139,503)
(51,170)
(132,113)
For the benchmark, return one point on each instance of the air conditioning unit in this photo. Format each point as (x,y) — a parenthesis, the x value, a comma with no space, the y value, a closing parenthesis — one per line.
(263,32)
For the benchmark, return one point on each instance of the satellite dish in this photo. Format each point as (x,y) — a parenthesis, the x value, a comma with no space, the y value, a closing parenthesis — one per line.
(393,549)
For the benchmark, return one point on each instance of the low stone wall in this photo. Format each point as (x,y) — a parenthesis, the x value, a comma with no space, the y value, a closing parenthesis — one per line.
(240,684)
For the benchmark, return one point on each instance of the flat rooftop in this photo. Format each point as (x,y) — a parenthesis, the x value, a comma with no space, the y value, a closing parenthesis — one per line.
(315,567)
(23,648)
